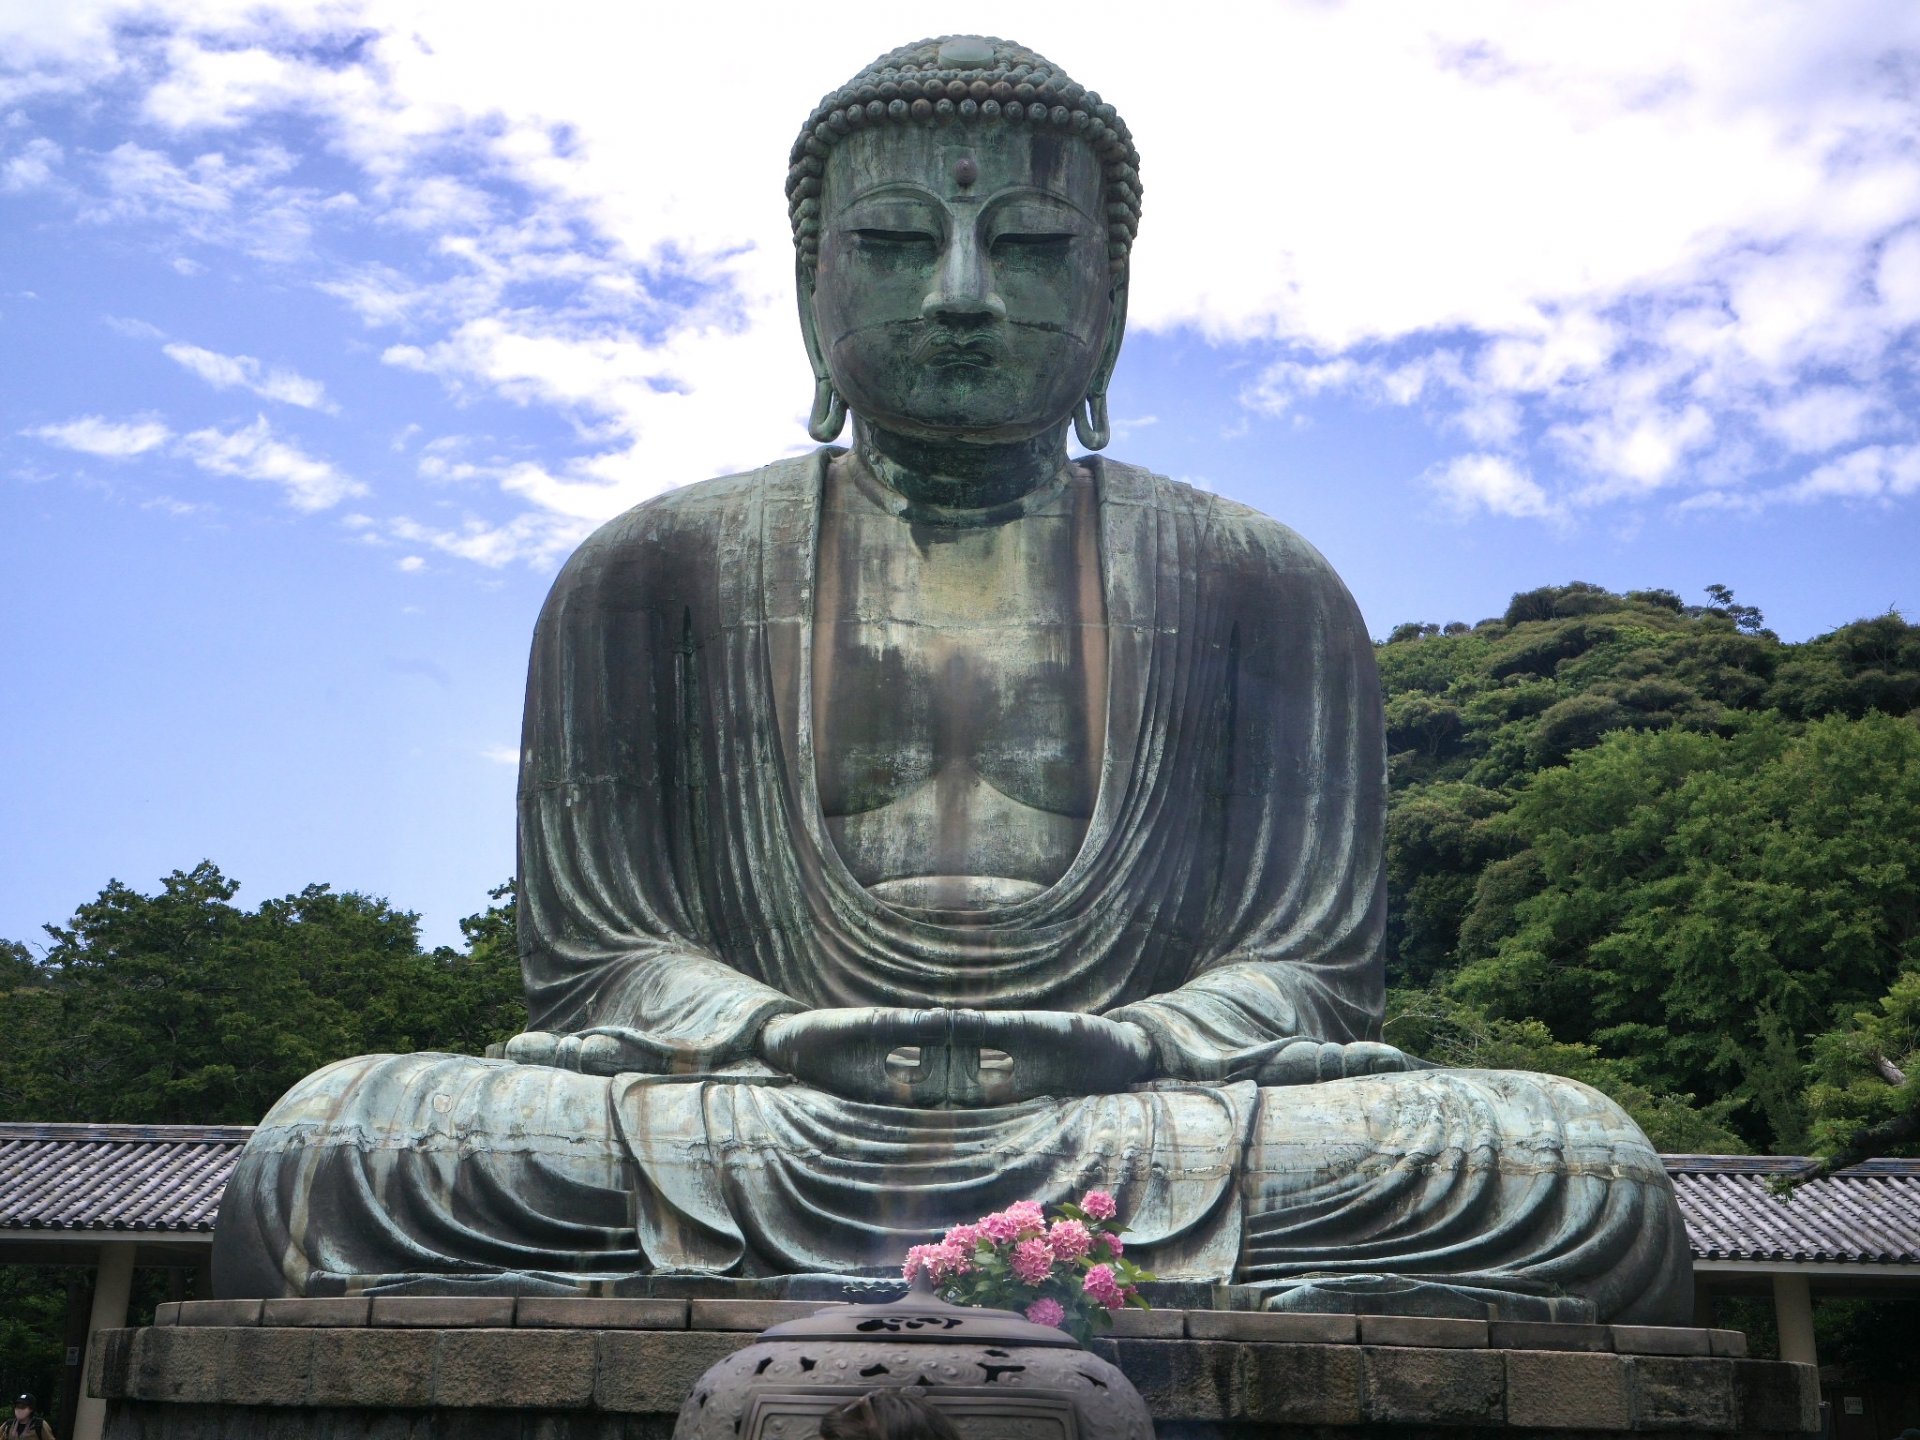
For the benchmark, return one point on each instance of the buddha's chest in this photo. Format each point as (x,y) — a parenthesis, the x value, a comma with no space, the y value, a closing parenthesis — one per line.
(959,690)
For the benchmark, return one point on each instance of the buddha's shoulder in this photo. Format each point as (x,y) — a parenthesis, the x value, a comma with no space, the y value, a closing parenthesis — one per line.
(1234,535)
(691,522)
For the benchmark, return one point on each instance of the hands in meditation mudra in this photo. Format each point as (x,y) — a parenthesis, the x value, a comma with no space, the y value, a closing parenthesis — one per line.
(939,822)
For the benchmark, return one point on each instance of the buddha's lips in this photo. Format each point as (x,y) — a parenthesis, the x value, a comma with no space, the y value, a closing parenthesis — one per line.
(948,347)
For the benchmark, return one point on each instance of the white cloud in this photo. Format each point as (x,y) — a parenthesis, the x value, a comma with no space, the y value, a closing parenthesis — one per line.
(255,453)
(109,439)
(533,536)
(410,565)
(501,754)
(227,372)
(32,167)
(1493,483)
(1621,260)
(1875,472)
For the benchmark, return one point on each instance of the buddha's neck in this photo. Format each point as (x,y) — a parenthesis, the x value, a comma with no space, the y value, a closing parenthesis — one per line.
(956,476)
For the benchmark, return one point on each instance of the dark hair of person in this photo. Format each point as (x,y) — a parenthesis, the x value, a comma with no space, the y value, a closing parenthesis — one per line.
(887,1415)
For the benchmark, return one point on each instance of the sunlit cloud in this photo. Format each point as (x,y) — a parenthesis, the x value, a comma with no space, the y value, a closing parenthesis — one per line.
(1611,267)
(254,452)
(108,439)
(243,372)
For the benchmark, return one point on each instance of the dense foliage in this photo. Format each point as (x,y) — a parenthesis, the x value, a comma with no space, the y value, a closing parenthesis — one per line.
(182,1007)
(1653,846)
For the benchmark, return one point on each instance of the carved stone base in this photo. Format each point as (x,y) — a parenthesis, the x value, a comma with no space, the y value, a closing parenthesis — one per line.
(419,1368)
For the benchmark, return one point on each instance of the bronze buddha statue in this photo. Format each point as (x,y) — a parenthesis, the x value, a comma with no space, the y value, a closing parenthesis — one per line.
(918,826)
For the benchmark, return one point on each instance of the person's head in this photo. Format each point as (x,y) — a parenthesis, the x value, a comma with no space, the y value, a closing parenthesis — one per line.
(23,1407)
(963,214)
(887,1415)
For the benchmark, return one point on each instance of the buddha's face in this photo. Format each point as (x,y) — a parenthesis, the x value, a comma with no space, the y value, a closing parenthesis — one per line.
(963,290)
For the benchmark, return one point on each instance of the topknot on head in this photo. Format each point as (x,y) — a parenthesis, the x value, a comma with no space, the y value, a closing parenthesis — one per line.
(971,78)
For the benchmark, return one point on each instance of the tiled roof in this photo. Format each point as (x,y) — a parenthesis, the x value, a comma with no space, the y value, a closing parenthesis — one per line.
(115,1177)
(1869,1214)
(170,1177)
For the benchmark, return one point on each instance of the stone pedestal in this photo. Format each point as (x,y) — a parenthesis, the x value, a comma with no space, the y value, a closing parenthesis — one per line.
(420,1368)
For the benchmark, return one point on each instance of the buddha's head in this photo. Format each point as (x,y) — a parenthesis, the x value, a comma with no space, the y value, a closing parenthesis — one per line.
(963,214)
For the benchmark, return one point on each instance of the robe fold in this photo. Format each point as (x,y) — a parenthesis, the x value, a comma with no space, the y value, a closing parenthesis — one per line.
(677,881)
(677,876)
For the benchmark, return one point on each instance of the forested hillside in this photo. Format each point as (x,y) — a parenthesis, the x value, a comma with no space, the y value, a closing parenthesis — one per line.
(1651,845)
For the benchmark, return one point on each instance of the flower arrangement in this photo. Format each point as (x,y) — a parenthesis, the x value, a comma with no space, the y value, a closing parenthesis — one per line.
(1070,1272)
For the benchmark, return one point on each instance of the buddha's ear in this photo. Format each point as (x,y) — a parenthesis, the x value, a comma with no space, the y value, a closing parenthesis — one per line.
(1090,424)
(809,331)
(1116,332)
(829,414)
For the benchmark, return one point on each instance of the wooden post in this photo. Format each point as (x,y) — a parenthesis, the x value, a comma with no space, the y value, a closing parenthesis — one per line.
(112,1288)
(73,1349)
(1793,1313)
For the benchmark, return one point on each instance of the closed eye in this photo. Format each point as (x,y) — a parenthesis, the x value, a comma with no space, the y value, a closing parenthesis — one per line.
(893,237)
(1038,242)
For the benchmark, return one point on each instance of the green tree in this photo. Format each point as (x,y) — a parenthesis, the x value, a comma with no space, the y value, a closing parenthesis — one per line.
(182,1007)
(1865,1090)
(1696,905)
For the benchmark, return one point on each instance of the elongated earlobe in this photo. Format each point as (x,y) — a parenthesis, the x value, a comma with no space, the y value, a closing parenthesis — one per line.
(1090,422)
(829,415)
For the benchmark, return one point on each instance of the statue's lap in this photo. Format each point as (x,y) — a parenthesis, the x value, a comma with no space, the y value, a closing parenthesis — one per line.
(1523,1190)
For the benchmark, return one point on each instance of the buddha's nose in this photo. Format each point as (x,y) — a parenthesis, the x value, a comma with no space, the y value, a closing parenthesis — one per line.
(963,291)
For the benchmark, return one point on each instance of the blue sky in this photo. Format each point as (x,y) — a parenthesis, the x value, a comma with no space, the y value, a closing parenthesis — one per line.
(327,329)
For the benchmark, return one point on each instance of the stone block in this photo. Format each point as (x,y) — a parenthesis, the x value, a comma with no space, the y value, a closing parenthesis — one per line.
(443,1312)
(166,1313)
(178,1363)
(265,1367)
(371,1368)
(1434,1385)
(110,1363)
(513,1369)
(1194,1380)
(1769,1395)
(218,1312)
(1273,1327)
(1568,1390)
(1423,1331)
(1150,1324)
(754,1315)
(652,1371)
(327,1310)
(1676,1392)
(1547,1335)
(1298,1384)
(1730,1343)
(579,1313)
(1660,1340)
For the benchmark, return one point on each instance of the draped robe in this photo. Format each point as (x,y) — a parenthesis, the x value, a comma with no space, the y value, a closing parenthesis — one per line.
(677,881)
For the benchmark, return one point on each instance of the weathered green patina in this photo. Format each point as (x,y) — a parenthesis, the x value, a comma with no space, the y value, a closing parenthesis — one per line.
(915,827)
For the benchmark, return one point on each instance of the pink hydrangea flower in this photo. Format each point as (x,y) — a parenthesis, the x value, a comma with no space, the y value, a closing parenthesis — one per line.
(1047,1312)
(1033,1261)
(952,1259)
(967,1237)
(1099,1204)
(1028,1215)
(1000,1227)
(1070,1239)
(1102,1288)
(941,1262)
(1115,1247)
